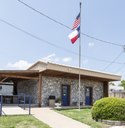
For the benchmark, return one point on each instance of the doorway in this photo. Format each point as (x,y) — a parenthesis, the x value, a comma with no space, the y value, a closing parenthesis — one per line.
(65,95)
(88,96)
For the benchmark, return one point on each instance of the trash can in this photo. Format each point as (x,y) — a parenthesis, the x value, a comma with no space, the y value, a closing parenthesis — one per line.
(51,101)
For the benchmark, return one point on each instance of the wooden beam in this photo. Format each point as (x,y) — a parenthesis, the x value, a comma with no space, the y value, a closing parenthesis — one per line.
(18,76)
(40,90)
(105,89)
(15,87)
(3,79)
(5,83)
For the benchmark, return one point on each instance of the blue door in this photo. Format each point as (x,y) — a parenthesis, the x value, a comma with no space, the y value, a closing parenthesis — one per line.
(65,95)
(88,96)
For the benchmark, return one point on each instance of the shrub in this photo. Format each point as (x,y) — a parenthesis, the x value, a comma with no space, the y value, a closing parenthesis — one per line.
(58,100)
(109,109)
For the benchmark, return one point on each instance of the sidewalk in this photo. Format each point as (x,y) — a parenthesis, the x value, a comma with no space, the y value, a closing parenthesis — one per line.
(14,110)
(56,120)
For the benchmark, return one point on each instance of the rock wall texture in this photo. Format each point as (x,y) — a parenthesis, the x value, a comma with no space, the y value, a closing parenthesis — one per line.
(29,87)
(52,86)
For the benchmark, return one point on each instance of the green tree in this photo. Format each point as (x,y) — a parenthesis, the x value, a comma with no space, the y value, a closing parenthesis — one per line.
(111,83)
(122,84)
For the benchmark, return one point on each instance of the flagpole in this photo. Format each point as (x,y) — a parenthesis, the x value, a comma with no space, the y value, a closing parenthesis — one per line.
(80,56)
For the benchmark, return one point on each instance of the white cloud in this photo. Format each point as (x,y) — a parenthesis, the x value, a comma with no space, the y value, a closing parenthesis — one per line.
(54,58)
(66,59)
(49,57)
(21,64)
(91,44)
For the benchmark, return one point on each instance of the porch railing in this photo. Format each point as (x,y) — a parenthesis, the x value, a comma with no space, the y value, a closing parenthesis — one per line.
(1,104)
(21,100)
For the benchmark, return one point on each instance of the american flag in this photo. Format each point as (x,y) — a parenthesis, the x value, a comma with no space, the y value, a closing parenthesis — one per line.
(76,22)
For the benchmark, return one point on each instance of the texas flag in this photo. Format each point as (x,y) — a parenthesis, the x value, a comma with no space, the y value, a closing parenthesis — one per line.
(74,35)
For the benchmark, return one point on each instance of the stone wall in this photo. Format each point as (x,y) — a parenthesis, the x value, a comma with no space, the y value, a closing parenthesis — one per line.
(52,86)
(28,87)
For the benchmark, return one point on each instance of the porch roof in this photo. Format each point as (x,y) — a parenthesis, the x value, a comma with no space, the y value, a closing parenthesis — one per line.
(52,69)
(7,75)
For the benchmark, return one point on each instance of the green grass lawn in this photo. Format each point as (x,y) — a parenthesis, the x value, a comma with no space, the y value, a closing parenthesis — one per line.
(21,122)
(84,116)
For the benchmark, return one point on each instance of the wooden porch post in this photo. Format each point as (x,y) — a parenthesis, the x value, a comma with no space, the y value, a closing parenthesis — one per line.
(15,87)
(40,90)
(105,89)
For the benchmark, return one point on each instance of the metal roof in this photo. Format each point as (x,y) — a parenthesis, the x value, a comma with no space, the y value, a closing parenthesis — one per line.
(53,69)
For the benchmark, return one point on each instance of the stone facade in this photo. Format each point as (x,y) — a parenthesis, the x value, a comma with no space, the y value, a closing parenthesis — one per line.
(29,87)
(52,86)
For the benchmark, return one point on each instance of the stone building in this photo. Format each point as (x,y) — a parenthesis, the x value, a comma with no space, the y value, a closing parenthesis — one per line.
(62,82)
(44,79)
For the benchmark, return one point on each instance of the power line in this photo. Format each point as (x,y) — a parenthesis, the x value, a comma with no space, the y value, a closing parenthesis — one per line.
(43,14)
(113,61)
(52,44)
(34,36)
(107,42)
(103,60)
(120,67)
(123,63)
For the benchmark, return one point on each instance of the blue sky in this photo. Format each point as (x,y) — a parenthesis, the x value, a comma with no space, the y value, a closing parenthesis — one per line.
(102,19)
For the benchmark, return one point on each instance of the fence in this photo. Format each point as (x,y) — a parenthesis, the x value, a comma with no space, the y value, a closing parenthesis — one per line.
(22,100)
(119,94)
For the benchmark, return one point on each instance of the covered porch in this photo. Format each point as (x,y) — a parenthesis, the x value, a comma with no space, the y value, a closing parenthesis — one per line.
(12,78)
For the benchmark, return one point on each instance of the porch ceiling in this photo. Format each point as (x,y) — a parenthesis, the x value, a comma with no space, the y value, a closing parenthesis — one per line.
(72,76)
(7,75)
